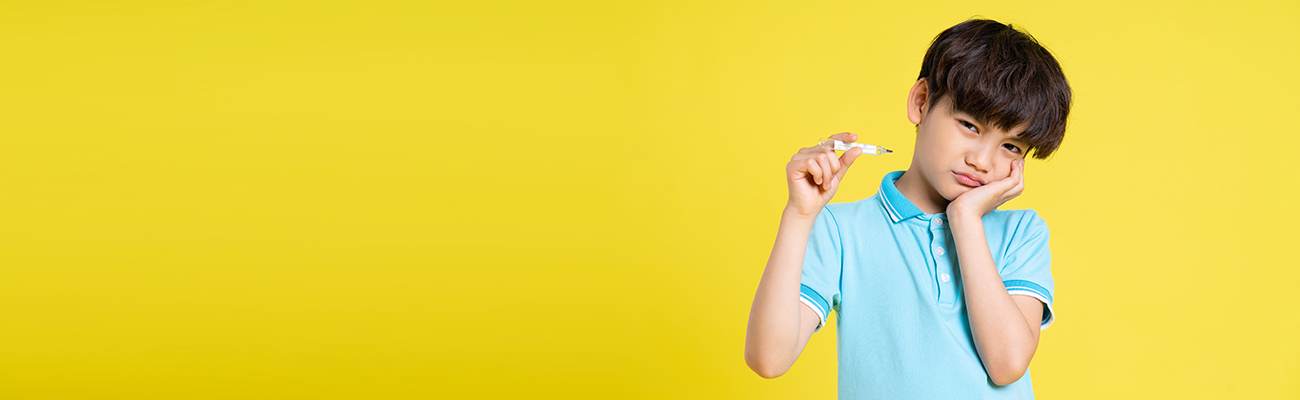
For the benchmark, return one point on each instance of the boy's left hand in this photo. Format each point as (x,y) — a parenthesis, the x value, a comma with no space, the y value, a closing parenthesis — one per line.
(984,199)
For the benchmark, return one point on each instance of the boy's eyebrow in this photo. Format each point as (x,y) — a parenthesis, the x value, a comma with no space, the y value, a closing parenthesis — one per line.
(1016,137)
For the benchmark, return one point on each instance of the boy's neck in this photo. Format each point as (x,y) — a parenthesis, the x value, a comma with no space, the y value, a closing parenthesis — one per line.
(921,193)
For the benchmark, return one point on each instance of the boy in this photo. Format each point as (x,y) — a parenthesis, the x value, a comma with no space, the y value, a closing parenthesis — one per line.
(938,294)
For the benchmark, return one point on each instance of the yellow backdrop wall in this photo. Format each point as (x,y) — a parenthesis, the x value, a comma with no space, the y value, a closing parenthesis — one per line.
(387,200)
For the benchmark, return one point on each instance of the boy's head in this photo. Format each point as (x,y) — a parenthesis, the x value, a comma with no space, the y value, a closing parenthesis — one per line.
(987,95)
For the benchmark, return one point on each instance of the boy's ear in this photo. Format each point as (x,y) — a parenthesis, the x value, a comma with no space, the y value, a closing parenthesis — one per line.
(918,100)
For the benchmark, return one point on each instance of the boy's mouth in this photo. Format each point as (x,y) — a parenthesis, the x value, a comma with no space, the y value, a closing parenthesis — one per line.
(968,180)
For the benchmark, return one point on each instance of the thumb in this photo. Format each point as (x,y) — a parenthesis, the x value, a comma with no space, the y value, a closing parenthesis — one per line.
(846,160)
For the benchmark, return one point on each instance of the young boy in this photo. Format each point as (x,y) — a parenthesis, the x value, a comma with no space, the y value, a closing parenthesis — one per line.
(939,295)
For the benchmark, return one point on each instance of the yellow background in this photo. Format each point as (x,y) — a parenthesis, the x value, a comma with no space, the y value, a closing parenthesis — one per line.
(401,200)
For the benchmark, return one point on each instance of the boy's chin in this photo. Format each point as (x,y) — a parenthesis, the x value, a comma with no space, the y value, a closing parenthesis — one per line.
(953,193)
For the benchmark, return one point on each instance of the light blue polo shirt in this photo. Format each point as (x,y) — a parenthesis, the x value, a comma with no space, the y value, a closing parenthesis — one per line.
(890,272)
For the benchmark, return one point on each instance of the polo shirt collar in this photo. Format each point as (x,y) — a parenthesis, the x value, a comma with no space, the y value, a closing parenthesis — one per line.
(896,205)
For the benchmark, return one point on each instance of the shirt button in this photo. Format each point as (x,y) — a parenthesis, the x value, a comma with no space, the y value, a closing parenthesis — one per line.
(938,221)
(944,278)
(938,251)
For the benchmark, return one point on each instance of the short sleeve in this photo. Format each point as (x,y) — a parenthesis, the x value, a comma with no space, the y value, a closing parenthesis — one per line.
(820,281)
(1028,269)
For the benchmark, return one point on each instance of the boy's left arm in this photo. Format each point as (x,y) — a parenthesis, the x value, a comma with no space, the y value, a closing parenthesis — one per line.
(1005,327)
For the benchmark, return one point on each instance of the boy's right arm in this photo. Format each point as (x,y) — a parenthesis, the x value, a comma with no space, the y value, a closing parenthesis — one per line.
(779,324)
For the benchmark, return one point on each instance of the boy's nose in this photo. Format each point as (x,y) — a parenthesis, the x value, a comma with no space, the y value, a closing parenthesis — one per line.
(980,160)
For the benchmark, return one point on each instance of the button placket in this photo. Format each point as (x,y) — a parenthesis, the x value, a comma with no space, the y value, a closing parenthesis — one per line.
(943,264)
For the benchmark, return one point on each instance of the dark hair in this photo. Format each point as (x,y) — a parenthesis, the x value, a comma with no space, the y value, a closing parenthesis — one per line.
(1000,76)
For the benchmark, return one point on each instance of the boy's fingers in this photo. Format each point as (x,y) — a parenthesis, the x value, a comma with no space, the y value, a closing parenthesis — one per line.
(826,172)
(846,160)
(1016,182)
(1015,176)
(834,160)
(811,165)
(826,167)
(1020,172)
(830,172)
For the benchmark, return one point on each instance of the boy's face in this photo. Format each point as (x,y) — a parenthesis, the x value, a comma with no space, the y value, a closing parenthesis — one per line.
(950,144)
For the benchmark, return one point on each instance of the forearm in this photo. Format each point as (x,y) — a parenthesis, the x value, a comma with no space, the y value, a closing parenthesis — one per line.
(1003,337)
(773,334)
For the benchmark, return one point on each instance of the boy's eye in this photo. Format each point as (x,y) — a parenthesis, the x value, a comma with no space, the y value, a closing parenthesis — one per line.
(1013,148)
(969,125)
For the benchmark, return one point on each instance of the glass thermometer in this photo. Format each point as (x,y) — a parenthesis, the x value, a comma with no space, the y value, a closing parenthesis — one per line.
(845,146)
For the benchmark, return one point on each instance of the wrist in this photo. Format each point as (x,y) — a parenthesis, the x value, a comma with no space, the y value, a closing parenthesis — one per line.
(794,214)
(958,213)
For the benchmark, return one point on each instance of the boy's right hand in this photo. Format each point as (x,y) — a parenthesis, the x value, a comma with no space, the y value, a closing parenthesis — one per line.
(814,173)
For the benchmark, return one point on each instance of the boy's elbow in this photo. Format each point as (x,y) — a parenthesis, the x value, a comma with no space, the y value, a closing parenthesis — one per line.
(764,368)
(767,371)
(1007,374)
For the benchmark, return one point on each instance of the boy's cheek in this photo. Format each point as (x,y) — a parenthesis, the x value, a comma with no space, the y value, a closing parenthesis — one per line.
(1004,172)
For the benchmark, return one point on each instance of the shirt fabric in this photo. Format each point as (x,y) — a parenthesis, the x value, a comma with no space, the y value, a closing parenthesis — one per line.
(890,273)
